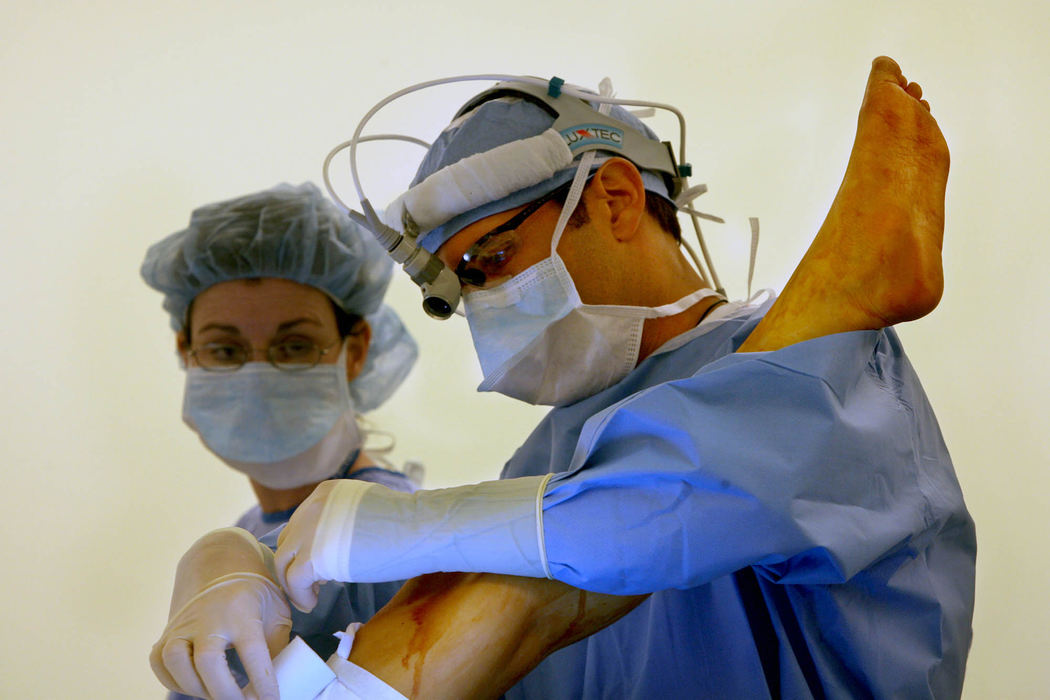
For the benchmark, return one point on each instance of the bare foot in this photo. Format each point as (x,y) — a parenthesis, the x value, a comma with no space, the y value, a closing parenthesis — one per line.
(876,260)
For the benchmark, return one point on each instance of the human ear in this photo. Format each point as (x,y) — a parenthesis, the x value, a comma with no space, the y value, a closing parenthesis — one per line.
(357,348)
(618,187)
(182,346)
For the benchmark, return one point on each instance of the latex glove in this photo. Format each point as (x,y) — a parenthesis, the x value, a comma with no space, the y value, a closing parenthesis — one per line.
(355,531)
(293,561)
(213,609)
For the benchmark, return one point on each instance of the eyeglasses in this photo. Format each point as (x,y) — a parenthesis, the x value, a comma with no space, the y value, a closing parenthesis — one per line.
(484,264)
(293,355)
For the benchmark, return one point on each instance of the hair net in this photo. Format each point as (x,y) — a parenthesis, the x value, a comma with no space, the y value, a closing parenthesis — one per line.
(291,232)
(494,123)
(390,357)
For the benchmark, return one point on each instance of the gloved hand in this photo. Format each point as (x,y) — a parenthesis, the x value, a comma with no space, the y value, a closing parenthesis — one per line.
(355,531)
(293,563)
(224,597)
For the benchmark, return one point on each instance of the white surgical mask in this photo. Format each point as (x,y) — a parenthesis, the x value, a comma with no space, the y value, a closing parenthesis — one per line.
(282,429)
(538,342)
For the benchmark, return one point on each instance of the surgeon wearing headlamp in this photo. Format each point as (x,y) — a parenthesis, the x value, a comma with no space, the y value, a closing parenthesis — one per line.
(758,489)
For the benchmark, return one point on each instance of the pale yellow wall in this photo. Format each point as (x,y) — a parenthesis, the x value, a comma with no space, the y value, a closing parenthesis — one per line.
(119,117)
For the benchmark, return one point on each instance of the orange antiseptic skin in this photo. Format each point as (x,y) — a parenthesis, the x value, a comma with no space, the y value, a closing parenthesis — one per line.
(876,261)
(474,635)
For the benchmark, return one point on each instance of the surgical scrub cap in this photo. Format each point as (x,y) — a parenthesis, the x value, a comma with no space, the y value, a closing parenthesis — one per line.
(497,122)
(290,232)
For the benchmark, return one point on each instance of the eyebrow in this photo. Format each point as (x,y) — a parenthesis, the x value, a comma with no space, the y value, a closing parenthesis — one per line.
(287,325)
(234,330)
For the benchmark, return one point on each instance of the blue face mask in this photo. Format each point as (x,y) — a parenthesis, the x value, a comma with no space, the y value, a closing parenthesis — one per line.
(260,414)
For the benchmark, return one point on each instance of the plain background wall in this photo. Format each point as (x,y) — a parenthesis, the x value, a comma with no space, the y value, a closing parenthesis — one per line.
(120,117)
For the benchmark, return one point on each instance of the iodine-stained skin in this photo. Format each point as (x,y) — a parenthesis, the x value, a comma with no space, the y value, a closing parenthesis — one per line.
(421,604)
(449,625)
(876,260)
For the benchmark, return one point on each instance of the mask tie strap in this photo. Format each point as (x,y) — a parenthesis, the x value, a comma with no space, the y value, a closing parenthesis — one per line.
(579,180)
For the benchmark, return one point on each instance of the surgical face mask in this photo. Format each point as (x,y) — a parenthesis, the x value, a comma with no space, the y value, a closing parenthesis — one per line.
(283,429)
(536,339)
(538,342)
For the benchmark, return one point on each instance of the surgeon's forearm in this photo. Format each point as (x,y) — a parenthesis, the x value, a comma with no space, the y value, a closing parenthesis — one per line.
(475,635)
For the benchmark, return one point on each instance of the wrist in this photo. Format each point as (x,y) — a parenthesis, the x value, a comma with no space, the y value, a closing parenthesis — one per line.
(219,553)
(375,534)
(222,582)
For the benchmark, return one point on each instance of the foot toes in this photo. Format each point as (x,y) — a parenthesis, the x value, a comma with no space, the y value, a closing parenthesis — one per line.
(914,90)
(886,68)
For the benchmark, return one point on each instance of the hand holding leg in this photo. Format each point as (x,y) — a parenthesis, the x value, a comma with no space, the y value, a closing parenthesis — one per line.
(224,597)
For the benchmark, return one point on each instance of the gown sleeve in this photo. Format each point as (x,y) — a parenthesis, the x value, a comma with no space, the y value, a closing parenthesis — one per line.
(803,463)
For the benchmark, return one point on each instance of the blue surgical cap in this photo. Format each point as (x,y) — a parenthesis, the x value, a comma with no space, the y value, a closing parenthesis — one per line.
(493,124)
(295,233)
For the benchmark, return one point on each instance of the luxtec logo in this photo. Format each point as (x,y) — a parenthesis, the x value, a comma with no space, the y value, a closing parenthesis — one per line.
(587,134)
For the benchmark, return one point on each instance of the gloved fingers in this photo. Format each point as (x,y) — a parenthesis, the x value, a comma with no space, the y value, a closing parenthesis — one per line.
(209,658)
(295,571)
(282,535)
(283,558)
(300,584)
(278,636)
(255,654)
(172,663)
(156,662)
(289,567)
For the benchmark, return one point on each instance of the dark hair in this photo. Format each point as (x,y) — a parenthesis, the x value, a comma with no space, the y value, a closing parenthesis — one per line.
(344,320)
(663,212)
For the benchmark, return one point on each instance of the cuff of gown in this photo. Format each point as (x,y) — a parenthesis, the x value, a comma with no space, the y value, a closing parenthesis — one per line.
(492,526)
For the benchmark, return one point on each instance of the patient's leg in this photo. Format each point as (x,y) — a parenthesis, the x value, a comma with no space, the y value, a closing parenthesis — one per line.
(475,635)
(874,262)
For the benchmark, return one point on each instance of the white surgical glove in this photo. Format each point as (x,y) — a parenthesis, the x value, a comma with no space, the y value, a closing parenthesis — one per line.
(224,596)
(355,531)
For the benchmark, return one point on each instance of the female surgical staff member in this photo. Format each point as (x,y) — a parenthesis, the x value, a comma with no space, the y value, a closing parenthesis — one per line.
(276,301)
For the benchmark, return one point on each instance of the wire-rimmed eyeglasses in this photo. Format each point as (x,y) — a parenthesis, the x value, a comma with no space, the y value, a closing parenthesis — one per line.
(286,355)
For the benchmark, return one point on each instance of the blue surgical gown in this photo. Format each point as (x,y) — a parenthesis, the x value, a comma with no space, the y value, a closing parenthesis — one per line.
(338,604)
(795,515)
